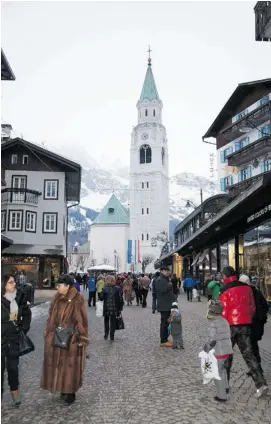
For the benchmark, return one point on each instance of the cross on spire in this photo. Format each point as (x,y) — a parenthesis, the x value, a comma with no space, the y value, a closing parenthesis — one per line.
(149,51)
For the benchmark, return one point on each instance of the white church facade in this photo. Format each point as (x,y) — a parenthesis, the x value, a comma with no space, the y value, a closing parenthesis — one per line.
(149,188)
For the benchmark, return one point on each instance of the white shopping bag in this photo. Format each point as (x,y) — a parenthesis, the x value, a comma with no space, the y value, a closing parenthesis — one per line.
(209,366)
(99,309)
(195,293)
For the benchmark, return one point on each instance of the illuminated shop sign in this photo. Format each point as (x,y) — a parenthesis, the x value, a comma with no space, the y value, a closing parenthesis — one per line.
(258,214)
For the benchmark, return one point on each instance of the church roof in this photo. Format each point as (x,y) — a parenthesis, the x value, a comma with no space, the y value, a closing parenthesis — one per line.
(113,213)
(149,90)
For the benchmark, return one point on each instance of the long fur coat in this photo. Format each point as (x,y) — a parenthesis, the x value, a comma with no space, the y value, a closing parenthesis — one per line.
(63,370)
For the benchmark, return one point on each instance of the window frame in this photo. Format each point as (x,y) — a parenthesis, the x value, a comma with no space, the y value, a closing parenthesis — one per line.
(148,210)
(10,212)
(142,185)
(44,231)
(3,220)
(142,237)
(27,230)
(145,158)
(142,211)
(27,157)
(45,197)
(14,156)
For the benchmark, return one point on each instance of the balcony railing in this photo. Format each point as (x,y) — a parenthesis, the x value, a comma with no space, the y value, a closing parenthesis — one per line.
(19,195)
(238,188)
(258,116)
(250,152)
(263,21)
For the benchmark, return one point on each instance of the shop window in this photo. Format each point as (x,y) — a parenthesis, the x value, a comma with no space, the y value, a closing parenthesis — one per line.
(225,153)
(231,253)
(145,154)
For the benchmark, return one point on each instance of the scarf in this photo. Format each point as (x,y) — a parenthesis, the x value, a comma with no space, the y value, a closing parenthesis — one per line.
(230,279)
(13,305)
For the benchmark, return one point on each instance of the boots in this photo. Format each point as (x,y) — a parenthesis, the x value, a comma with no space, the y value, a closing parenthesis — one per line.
(70,398)
(16,397)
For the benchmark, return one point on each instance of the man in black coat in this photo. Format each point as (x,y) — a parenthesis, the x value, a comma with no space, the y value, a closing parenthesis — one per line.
(165,298)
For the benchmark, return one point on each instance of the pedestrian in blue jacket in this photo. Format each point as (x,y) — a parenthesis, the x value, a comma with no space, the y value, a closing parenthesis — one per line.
(188,286)
(91,290)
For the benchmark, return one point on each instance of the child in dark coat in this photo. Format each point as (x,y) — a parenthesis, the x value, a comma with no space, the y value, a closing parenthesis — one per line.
(175,321)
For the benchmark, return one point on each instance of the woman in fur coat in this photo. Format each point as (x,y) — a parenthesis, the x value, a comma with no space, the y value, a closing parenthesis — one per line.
(63,369)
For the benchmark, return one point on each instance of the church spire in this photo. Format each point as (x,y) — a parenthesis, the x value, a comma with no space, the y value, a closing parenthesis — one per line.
(149,90)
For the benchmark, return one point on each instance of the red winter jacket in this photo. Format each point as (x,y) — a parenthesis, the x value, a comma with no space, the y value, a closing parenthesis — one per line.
(238,303)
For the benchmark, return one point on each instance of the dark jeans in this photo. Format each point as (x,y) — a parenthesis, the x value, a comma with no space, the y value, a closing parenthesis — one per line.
(13,372)
(241,334)
(138,296)
(189,293)
(256,351)
(164,326)
(92,295)
(153,301)
(110,325)
(144,296)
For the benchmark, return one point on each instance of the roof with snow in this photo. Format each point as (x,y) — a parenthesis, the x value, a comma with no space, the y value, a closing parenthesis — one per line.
(113,213)
(149,90)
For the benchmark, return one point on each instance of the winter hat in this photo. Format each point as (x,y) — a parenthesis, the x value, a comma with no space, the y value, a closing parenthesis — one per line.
(65,279)
(175,305)
(215,307)
(244,279)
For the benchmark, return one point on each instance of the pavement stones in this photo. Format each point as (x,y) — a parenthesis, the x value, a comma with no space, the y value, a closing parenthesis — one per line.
(133,380)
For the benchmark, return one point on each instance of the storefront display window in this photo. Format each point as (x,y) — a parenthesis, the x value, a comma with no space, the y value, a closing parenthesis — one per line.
(231,253)
(214,261)
(224,257)
(257,257)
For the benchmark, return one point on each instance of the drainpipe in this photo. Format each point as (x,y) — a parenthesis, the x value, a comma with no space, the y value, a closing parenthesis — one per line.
(68,207)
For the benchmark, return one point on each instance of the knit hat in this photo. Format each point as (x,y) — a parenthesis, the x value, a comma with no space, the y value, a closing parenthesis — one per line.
(215,307)
(175,305)
(244,279)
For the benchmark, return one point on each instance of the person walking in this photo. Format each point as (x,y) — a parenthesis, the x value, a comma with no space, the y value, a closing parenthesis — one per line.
(100,285)
(137,291)
(63,367)
(239,309)
(175,285)
(215,285)
(188,287)
(165,298)
(113,305)
(127,290)
(91,290)
(144,285)
(153,290)
(220,340)
(15,316)
(259,319)
(76,283)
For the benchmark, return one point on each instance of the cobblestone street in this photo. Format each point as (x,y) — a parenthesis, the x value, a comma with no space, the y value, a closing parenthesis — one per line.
(133,380)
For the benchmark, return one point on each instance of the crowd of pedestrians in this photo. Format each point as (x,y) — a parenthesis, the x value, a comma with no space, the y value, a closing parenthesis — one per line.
(237,312)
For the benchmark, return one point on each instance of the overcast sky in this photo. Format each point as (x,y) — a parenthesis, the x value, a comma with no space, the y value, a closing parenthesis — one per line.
(80,68)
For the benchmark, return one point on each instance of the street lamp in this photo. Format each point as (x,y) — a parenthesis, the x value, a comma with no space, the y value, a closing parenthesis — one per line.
(190,204)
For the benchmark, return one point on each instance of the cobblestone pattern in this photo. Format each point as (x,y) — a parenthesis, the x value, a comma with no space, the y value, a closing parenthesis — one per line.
(133,380)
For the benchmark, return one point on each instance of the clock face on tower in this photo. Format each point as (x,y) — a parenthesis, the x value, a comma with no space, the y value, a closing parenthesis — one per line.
(145,136)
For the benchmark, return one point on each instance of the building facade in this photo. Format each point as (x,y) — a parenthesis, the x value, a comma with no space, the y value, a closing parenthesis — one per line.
(263,21)
(108,236)
(237,230)
(39,185)
(149,182)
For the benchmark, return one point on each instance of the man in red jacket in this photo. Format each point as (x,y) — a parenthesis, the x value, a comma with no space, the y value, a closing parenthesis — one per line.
(239,308)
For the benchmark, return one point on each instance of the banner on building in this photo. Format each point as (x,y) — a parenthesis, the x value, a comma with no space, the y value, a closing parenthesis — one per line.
(129,252)
(138,252)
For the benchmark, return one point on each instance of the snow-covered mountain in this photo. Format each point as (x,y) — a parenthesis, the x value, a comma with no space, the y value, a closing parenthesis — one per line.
(98,184)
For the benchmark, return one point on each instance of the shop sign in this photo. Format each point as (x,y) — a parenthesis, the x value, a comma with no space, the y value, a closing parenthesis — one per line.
(19,260)
(258,214)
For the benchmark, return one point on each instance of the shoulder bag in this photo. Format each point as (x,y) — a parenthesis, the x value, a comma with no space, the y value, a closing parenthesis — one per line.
(62,336)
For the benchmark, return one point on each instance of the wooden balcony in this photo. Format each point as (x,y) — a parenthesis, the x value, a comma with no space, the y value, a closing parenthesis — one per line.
(19,196)
(263,21)
(251,152)
(238,188)
(258,116)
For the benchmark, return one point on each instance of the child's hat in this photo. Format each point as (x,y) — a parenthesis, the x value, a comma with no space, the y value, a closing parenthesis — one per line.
(215,307)
(175,305)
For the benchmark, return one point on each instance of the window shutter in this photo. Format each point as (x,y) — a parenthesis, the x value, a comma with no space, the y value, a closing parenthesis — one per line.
(222,157)
(249,171)
(262,165)
(231,180)
(246,141)
(230,150)
(222,184)
(239,176)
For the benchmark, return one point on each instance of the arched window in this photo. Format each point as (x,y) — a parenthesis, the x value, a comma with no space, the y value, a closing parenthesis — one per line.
(163,156)
(146,112)
(153,112)
(147,236)
(145,154)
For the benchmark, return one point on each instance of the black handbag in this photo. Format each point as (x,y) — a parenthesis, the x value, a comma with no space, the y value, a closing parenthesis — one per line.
(62,336)
(25,344)
(119,322)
